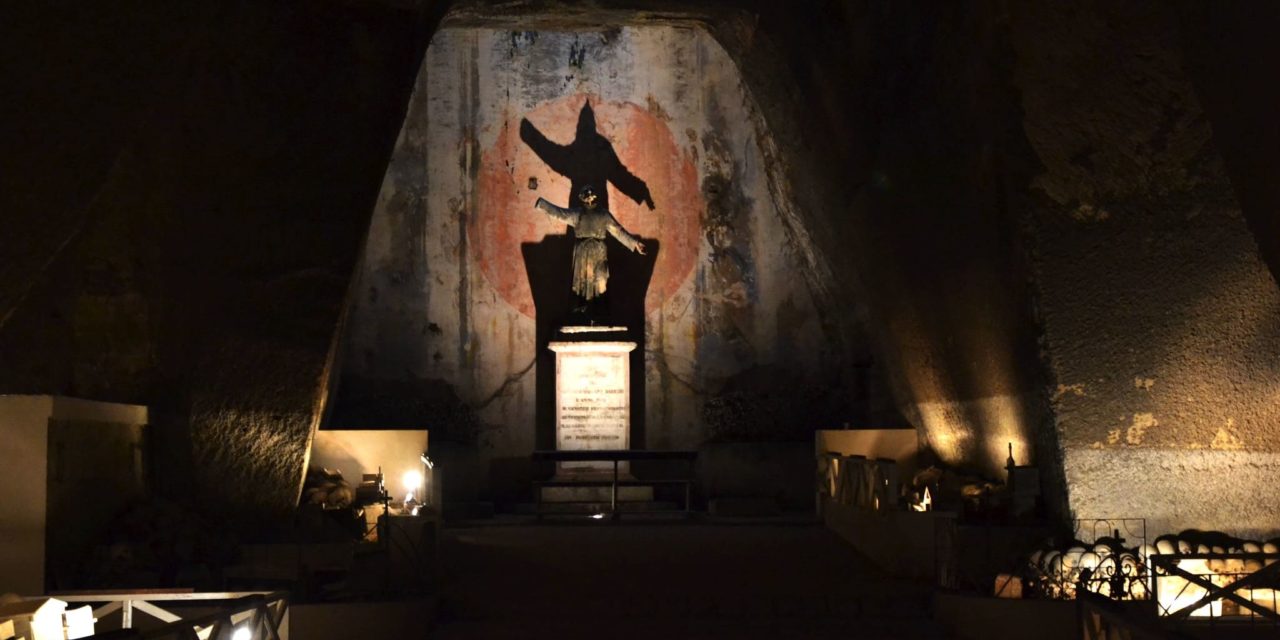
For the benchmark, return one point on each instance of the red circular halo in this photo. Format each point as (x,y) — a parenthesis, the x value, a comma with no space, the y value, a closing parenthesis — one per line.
(505,217)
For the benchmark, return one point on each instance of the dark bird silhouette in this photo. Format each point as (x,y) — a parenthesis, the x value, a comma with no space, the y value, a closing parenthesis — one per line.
(588,160)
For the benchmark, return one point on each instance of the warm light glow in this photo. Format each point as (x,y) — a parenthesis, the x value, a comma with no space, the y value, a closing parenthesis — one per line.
(597,516)
(242,633)
(412,480)
(1263,597)
(1175,593)
(926,502)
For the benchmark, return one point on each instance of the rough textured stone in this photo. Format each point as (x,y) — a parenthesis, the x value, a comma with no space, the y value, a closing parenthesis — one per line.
(446,293)
(1161,320)
(904,153)
(1230,50)
(192,194)
(1020,212)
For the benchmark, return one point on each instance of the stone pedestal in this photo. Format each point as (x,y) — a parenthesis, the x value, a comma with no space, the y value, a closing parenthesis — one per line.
(596,495)
(593,393)
(593,409)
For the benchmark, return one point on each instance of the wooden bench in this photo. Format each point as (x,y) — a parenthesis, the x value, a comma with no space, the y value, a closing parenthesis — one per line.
(616,456)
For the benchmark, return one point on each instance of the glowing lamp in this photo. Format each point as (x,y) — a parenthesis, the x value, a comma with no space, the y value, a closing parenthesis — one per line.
(242,633)
(412,481)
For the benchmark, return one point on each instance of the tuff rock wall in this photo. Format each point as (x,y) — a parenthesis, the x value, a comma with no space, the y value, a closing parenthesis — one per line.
(186,190)
(1046,242)
(1048,224)
(1161,319)
(736,345)
(899,133)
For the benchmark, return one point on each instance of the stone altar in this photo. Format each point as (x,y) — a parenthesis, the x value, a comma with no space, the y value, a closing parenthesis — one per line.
(593,407)
(593,392)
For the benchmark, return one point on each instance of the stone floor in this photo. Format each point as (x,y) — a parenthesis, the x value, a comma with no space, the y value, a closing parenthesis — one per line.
(627,580)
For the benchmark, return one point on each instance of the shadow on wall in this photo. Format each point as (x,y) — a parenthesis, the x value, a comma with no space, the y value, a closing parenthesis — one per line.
(364,403)
(773,403)
(778,472)
(588,160)
(972,394)
(549,265)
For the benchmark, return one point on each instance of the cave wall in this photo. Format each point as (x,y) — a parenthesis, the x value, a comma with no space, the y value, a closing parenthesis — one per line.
(903,148)
(187,190)
(1230,52)
(735,344)
(1161,319)
(1045,243)
(1019,210)
(938,215)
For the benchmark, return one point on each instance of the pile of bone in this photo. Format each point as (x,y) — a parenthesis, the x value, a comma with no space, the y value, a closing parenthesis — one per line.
(1218,560)
(1106,568)
(326,488)
(1110,569)
(1197,543)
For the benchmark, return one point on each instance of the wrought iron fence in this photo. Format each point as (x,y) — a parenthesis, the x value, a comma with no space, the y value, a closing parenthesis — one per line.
(1111,531)
(1108,559)
(1228,588)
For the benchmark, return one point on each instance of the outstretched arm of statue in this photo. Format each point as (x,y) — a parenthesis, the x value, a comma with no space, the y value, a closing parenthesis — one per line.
(567,216)
(629,241)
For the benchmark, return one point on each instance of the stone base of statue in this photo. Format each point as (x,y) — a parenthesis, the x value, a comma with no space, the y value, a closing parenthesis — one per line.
(593,410)
(595,495)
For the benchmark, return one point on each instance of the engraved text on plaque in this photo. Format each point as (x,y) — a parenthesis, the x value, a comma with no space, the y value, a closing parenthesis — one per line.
(593,398)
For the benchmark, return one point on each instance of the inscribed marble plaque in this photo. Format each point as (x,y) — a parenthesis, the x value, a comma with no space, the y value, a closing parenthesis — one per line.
(593,398)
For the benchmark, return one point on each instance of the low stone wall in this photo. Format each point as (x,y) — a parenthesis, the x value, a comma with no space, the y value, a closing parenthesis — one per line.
(975,617)
(902,543)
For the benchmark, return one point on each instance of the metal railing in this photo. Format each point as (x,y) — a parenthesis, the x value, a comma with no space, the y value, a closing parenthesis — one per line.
(1105,557)
(240,615)
(1218,587)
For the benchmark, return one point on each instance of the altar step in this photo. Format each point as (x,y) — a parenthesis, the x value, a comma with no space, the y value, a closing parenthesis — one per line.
(595,493)
(599,506)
